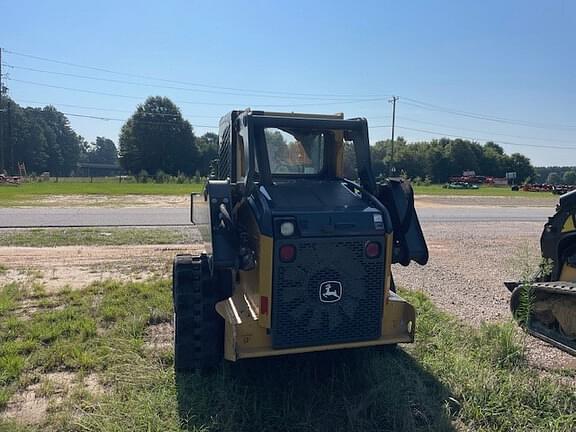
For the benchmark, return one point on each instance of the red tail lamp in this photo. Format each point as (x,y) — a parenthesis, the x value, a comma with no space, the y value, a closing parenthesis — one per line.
(372,249)
(264,305)
(287,253)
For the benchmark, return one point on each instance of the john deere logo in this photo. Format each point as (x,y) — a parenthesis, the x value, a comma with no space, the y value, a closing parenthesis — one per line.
(330,291)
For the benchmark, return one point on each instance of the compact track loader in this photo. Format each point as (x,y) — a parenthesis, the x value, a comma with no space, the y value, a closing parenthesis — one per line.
(547,305)
(301,255)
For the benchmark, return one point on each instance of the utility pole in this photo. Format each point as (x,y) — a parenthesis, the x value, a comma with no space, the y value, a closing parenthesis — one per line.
(10,139)
(391,169)
(1,118)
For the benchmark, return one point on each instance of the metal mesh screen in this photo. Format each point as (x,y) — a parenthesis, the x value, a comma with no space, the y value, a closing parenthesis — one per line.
(301,318)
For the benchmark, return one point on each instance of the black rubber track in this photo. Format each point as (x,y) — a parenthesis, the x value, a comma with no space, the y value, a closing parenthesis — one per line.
(198,328)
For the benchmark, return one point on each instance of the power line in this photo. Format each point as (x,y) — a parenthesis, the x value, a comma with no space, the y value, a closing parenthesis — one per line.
(370,117)
(481,131)
(169,87)
(133,119)
(442,134)
(114,109)
(194,84)
(27,101)
(144,122)
(366,98)
(432,107)
(189,102)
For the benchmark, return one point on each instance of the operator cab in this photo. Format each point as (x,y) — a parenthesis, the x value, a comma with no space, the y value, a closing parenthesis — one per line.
(300,166)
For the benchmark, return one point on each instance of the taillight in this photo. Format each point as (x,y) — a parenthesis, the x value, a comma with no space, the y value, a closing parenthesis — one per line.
(287,253)
(372,249)
(264,305)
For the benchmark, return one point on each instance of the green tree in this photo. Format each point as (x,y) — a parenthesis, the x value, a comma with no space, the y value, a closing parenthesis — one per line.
(569,177)
(438,164)
(208,151)
(520,164)
(553,178)
(382,151)
(42,138)
(103,151)
(462,156)
(157,138)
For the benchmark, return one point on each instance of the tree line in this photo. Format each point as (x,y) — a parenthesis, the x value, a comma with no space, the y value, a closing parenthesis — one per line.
(556,175)
(40,137)
(156,138)
(440,159)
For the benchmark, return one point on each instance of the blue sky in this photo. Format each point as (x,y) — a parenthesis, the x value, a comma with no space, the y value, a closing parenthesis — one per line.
(452,63)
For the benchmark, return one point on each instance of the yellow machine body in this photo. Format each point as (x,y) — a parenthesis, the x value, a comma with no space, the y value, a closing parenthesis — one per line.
(301,254)
(247,313)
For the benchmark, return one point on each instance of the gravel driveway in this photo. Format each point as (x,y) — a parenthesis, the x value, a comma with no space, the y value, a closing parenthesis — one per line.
(467,267)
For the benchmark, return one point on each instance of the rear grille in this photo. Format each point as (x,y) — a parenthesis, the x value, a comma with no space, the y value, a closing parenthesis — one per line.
(300,318)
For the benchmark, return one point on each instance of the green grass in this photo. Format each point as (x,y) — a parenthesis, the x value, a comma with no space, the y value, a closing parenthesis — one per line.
(51,237)
(482,191)
(453,375)
(30,191)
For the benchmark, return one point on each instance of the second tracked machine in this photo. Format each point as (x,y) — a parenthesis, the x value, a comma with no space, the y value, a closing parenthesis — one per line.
(547,304)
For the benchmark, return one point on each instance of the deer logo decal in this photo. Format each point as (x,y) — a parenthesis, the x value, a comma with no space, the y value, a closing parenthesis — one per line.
(330,291)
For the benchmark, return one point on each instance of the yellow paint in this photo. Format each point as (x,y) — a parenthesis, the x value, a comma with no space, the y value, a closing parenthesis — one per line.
(569,224)
(568,273)
(245,338)
(265,273)
(388,266)
(246,329)
(258,281)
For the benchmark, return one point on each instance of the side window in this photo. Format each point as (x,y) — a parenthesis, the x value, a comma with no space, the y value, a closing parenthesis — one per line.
(349,167)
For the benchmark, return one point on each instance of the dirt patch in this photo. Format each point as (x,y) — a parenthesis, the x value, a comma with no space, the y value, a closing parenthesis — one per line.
(77,266)
(61,380)
(183,201)
(158,337)
(62,201)
(26,407)
(91,384)
(28,307)
(31,405)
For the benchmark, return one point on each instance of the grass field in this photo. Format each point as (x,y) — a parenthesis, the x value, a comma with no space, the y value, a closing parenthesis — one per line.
(482,191)
(100,359)
(40,237)
(29,191)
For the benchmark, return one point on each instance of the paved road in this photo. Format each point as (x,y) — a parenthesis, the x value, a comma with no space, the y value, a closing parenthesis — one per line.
(88,216)
(84,216)
(485,214)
